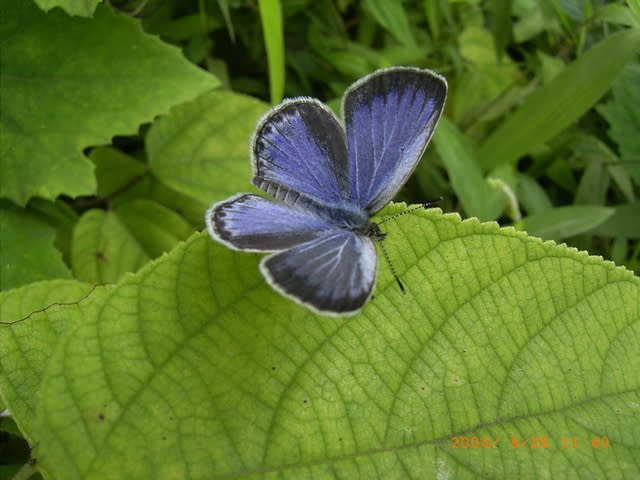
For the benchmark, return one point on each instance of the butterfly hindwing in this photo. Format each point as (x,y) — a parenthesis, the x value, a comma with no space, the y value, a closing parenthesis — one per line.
(253,223)
(390,116)
(332,274)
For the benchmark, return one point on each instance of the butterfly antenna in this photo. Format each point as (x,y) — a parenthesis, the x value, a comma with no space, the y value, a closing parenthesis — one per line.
(409,210)
(393,270)
(384,250)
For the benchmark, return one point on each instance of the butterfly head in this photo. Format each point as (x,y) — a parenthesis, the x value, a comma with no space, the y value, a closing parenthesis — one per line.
(372,230)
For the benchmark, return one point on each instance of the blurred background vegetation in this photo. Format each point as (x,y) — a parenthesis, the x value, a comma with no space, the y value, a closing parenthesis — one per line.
(564,164)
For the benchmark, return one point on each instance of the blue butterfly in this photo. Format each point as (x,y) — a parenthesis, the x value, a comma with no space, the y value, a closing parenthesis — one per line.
(328,181)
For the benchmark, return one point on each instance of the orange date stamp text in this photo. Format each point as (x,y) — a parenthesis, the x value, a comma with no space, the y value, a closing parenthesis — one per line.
(534,442)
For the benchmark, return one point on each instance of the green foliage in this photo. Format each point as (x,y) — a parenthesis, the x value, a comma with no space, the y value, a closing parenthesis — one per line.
(133,347)
(560,102)
(27,252)
(201,148)
(19,382)
(392,17)
(623,116)
(195,351)
(271,16)
(84,8)
(464,172)
(64,89)
(564,222)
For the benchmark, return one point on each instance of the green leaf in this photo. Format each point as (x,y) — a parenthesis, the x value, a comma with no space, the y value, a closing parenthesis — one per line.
(115,170)
(197,366)
(533,19)
(224,8)
(485,84)
(27,345)
(561,173)
(103,249)
(624,118)
(622,223)
(593,185)
(550,66)
(560,102)
(477,46)
(186,206)
(60,216)
(392,17)
(563,222)
(84,8)
(157,228)
(272,30)
(27,253)
(201,148)
(532,196)
(107,244)
(617,13)
(187,27)
(433,15)
(122,179)
(9,426)
(501,24)
(477,197)
(65,88)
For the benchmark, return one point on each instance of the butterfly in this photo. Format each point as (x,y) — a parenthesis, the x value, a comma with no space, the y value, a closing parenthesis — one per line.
(328,178)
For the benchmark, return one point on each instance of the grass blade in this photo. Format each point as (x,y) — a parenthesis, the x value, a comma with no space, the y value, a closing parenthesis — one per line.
(477,197)
(560,102)
(271,17)
(563,222)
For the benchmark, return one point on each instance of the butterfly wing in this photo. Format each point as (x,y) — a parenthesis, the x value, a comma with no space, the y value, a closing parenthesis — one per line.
(329,269)
(253,223)
(390,116)
(300,157)
(300,154)
(332,274)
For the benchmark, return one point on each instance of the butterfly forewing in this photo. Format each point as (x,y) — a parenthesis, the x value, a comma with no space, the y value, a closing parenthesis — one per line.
(332,274)
(300,154)
(390,117)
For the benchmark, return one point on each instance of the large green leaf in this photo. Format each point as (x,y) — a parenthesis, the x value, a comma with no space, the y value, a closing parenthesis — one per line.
(27,252)
(65,88)
(202,147)
(83,8)
(107,244)
(560,102)
(195,368)
(25,346)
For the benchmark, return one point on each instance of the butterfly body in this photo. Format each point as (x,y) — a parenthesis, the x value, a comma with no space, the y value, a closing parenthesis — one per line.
(328,179)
